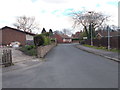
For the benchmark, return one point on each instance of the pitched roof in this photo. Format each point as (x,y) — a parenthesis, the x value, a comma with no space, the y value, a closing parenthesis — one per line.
(76,35)
(65,36)
(105,33)
(62,36)
(17,30)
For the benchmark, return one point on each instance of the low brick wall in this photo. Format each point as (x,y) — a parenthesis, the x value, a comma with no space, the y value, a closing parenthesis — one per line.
(43,50)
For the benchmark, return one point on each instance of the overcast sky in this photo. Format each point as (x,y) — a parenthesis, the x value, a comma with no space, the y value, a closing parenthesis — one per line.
(53,13)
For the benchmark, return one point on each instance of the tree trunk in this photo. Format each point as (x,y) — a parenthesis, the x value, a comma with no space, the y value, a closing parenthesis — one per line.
(86,31)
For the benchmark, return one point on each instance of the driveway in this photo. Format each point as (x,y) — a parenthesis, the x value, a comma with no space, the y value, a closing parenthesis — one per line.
(17,55)
(66,67)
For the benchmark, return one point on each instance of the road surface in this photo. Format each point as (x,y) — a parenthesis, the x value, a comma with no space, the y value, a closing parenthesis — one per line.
(66,67)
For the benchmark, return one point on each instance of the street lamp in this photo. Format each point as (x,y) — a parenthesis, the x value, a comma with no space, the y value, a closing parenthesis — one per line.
(91,29)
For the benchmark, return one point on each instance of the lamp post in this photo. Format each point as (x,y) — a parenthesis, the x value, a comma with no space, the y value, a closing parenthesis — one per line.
(108,29)
(91,29)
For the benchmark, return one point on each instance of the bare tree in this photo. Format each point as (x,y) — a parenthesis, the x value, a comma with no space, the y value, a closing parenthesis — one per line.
(67,31)
(89,20)
(58,32)
(26,23)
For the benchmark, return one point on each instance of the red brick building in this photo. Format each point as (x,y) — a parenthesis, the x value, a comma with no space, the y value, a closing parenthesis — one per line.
(8,35)
(76,35)
(61,38)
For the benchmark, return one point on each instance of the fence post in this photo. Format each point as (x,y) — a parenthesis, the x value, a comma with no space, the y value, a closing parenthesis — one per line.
(7,58)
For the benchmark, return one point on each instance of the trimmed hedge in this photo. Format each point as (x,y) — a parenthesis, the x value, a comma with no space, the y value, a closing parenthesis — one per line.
(39,40)
(42,39)
(76,39)
(47,40)
(53,40)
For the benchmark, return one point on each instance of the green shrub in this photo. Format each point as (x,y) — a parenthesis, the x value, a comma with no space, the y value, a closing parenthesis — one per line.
(29,50)
(46,34)
(28,47)
(53,40)
(39,40)
(76,39)
(47,40)
(82,42)
(42,39)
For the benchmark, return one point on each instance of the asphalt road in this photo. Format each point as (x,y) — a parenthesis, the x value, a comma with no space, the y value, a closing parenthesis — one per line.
(66,67)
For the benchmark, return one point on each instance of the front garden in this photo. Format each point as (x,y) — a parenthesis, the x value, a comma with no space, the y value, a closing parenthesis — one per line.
(39,40)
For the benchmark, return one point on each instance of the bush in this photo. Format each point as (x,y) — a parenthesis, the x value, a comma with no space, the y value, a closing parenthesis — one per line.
(75,39)
(82,42)
(53,40)
(42,39)
(47,40)
(29,50)
(28,47)
(46,34)
(30,42)
(39,40)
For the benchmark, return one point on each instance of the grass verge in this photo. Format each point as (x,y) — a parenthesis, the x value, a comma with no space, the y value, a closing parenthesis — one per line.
(102,48)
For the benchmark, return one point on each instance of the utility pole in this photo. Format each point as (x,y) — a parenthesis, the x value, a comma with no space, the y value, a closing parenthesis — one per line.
(91,35)
(90,20)
(108,29)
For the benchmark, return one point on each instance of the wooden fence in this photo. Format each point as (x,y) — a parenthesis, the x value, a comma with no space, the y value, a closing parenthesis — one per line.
(7,57)
(114,42)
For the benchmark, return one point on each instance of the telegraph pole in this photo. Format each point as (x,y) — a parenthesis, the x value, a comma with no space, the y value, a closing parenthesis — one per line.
(91,35)
(90,18)
(108,29)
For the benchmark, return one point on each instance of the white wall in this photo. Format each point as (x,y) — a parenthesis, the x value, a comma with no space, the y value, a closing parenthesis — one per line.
(29,37)
(67,40)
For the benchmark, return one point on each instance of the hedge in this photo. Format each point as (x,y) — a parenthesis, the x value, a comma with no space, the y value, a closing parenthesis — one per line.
(42,39)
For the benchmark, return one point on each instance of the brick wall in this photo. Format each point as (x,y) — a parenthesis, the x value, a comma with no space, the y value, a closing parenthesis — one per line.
(59,38)
(43,50)
(9,35)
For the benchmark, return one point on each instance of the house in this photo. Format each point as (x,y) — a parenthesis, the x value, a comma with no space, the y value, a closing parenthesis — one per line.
(76,35)
(104,33)
(62,38)
(8,35)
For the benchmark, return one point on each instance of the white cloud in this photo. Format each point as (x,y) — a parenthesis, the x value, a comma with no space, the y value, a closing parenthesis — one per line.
(43,11)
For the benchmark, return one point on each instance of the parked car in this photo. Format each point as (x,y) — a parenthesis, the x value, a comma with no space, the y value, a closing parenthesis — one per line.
(15,44)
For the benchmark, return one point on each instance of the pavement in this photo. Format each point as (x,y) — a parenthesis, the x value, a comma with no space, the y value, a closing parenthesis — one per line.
(65,67)
(22,65)
(107,54)
(20,60)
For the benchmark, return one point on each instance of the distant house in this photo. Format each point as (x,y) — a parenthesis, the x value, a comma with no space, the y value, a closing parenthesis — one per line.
(76,35)
(101,34)
(8,35)
(62,38)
